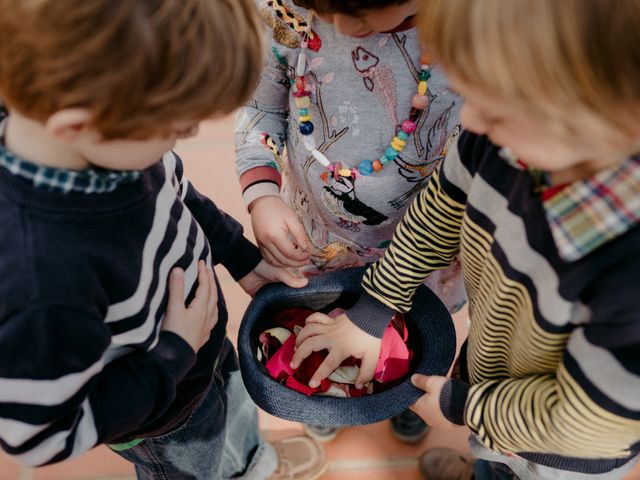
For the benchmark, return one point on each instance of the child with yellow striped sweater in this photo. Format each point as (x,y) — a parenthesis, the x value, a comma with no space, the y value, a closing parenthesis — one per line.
(541,199)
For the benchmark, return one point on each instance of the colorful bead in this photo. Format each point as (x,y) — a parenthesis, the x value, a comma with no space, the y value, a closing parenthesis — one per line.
(302,102)
(403,135)
(305,118)
(301,65)
(366,167)
(300,94)
(345,172)
(384,159)
(303,112)
(336,170)
(420,102)
(377,166)
(309,142)
(301,84)
(425,75)
(422,87)
(414,115)
(306,128)
(321,158)
(397,146)
(398,141)
(391,153)
(408,126)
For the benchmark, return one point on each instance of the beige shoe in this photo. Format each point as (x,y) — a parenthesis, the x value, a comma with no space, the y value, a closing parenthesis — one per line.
(299,458)
(445,464)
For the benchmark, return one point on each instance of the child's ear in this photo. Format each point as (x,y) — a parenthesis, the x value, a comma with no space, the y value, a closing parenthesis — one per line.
(69,124)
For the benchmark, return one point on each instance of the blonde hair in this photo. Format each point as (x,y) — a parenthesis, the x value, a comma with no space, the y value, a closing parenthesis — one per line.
(567,58)
(136,65)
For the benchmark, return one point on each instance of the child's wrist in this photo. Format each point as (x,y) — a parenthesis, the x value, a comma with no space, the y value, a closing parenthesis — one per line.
(453,399)
(370,315)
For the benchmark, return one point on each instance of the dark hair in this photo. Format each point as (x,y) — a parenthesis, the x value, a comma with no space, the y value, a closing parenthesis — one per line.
(346,6)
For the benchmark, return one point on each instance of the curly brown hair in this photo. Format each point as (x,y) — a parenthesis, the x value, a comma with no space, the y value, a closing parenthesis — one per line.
(135,65)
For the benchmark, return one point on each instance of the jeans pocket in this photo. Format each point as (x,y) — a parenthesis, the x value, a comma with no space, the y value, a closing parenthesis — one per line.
(184,423)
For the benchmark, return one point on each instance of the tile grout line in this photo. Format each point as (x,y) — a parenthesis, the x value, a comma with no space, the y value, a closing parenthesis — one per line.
(373,464)
(25,474)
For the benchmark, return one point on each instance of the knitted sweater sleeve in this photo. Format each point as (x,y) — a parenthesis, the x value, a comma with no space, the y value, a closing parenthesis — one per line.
(58,395)
(229,246)
(261,127)
(427,239)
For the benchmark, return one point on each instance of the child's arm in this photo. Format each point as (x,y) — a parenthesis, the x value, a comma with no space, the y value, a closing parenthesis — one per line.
(60,396)
(427,239)
(588,408)
(228,244)
(261,132)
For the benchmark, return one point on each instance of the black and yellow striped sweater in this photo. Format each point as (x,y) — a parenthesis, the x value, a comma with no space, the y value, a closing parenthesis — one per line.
(554,345)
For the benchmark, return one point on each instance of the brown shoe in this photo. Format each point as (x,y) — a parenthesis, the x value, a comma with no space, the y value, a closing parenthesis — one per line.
(299,458)
(445,464)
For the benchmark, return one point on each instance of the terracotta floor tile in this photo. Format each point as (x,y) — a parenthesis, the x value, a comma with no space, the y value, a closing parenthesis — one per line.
(99,462)
(384,472)
(9,470)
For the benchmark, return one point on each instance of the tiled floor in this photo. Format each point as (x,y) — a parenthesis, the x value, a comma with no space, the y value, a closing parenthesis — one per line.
(358,453)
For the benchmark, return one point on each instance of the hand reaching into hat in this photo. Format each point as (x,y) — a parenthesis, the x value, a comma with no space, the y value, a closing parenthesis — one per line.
(342,339)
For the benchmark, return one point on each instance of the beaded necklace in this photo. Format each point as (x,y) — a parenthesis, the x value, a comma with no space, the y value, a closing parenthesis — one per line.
(419,103)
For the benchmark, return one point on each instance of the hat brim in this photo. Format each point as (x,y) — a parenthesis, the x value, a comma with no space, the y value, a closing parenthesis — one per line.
(432,336)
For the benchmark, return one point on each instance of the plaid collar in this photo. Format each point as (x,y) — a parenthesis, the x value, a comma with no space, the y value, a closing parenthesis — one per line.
(586,214)
(63,181)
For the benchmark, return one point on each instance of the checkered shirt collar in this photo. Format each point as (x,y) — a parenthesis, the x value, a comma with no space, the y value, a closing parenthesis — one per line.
(61,180)
(588,213)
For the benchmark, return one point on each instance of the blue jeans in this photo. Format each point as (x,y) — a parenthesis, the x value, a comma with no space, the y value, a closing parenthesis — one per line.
(209,445)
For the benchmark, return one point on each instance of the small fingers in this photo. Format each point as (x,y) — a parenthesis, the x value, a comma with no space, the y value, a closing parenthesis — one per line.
(313,344)
(290,279)
(203,291)
(420,381)
(286,244)
(176,291)
(320,318)
(279,254)
(212,305)
(309,331)
(330,363)
(299,235)
(367,370)
(269,258)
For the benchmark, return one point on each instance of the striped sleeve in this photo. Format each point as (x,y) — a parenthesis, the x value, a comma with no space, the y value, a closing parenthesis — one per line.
(229,246)
(590,406)
(59,395)
(427,238)
(261,128)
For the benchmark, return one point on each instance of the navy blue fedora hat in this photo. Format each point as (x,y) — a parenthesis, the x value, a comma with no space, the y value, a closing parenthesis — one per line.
(431,333)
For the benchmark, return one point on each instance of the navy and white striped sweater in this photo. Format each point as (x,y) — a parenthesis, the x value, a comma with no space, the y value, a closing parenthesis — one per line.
(83,290)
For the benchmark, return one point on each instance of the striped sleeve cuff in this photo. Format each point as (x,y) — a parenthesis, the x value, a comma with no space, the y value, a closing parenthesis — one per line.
(453,399)
(371,315)
(175,353)
(260,182)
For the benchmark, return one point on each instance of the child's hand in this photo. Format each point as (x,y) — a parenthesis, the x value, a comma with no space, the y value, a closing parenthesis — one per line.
(342,339)
(195,322)
(265,273)
(279,233)
(428,405)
